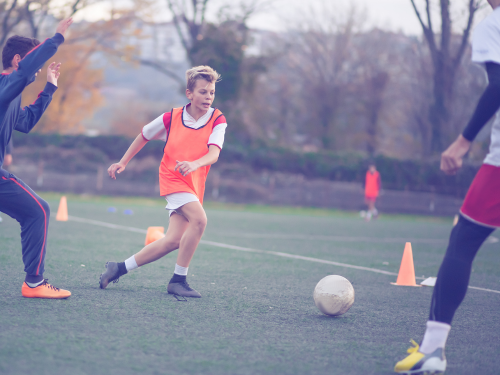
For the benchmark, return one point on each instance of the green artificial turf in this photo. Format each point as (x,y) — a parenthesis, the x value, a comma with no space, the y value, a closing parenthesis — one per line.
(257,315)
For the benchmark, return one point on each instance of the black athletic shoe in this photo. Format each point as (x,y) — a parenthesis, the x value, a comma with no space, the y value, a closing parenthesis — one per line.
(182,289)
(112,274)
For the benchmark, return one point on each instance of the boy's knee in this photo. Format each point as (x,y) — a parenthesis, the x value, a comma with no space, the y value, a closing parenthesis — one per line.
(200,223)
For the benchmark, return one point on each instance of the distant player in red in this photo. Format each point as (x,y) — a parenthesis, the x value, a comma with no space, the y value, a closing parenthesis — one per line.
(480,212)
(193,136)
(373,185)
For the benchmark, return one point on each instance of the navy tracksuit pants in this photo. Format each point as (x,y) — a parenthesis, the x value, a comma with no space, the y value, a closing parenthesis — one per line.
(21,203)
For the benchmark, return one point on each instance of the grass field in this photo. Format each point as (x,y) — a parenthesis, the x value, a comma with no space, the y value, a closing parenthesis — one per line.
(257,315)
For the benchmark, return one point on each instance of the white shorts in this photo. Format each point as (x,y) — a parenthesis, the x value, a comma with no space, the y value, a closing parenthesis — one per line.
(176,200)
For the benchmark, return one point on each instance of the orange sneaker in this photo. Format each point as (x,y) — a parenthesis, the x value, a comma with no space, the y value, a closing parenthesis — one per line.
(44,290)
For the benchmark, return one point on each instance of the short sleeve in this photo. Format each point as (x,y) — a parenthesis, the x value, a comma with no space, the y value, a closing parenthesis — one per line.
(156,129)
(218,132)
(486,40)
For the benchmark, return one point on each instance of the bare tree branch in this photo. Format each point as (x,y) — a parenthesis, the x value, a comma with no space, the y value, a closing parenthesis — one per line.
(473,7)
(161,68)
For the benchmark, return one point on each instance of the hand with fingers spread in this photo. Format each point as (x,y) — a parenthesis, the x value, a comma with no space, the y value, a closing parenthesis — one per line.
(452,157)
(63,26)
(53,73)
(186,167)
(116,168)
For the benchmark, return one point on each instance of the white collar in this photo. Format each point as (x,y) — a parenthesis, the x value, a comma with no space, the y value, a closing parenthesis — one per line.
(190,122)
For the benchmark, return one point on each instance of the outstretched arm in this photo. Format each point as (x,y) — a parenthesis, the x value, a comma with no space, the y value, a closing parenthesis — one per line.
(33,62)
(31,114)
(136,146)
(211,157)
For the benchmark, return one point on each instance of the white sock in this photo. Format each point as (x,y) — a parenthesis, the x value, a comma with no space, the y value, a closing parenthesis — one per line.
(435,336)
(34,285)
(182,271)
(131,264)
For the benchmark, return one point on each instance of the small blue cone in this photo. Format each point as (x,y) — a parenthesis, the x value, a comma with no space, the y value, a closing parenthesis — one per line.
(111,209)
(128,212)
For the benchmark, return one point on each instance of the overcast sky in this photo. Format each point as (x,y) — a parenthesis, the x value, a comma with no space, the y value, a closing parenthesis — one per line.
(393,15)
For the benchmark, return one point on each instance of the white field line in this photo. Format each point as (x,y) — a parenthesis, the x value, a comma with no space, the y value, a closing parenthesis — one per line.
(248,249)
(333,238)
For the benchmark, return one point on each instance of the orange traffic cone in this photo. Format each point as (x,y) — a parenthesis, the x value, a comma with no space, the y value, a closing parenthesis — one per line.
(406,274)
(153,234)
(62,212)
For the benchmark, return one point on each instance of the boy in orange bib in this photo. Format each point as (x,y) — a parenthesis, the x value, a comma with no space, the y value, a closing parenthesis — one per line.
(193,137)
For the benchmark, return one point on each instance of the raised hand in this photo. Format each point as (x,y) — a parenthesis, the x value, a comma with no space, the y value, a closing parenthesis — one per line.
(53,73)
(114,169)
(63,26)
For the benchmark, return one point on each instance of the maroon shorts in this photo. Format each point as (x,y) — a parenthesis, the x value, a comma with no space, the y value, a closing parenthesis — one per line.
(482,202)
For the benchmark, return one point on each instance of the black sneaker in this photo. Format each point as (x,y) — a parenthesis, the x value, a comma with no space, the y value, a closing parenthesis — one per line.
(182,289)
(111,274)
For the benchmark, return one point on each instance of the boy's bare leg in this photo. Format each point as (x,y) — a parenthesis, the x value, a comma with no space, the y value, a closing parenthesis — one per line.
(149,253)
(197,218)
(157,249)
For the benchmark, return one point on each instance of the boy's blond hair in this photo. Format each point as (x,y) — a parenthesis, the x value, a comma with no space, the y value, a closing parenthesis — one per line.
(200,72)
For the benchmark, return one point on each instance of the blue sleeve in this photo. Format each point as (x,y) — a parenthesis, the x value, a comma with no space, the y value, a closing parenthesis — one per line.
(28,66)
(488,103)
(30,115)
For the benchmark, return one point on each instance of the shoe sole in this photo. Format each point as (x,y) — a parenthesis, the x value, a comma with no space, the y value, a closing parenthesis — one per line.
(182,295)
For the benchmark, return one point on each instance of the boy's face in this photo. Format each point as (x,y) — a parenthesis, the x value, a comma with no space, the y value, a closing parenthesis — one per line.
(372,169)
(203,95)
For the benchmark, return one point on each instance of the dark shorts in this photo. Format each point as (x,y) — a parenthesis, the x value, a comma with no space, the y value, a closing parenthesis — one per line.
(482,202)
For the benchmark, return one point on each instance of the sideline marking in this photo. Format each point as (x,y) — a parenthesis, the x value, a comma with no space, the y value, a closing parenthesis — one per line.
(332,238)
(248,249)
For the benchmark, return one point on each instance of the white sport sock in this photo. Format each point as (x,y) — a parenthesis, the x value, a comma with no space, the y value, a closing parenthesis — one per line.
(435,336)
(131,264)
(182,271)
(34,285)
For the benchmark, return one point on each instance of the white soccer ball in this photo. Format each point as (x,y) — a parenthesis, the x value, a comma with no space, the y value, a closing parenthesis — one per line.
(333,295)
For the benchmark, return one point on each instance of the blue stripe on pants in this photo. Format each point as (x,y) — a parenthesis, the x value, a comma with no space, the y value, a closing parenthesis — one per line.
(21,203)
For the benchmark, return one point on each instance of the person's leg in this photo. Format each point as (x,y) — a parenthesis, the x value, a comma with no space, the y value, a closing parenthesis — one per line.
(21,203)
(197,218)
(452,281)
(158,249)
(451,286)
(154,251)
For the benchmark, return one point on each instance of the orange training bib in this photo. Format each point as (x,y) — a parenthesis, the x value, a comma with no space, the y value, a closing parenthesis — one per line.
(185,144)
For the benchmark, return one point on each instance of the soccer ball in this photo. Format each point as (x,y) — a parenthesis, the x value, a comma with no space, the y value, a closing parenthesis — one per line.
(333,295)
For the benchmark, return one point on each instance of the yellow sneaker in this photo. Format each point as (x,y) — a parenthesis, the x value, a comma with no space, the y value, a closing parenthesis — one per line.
(418,363)
(44,290)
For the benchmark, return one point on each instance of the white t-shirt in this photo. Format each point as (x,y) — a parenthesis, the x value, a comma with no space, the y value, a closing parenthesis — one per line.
(486,48)
(157,130)
(486,39)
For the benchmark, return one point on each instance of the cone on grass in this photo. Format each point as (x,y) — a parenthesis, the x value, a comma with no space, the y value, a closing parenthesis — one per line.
(62,211)
(153,234)
(406,276)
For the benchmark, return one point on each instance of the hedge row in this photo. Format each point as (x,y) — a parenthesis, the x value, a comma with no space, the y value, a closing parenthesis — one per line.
(396,174)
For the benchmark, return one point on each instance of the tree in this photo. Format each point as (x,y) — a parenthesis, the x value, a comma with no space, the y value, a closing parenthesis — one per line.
(321,56)
(33,14)
(446,52)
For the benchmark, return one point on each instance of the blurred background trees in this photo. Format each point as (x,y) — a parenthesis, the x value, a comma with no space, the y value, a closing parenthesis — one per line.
(328,83)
